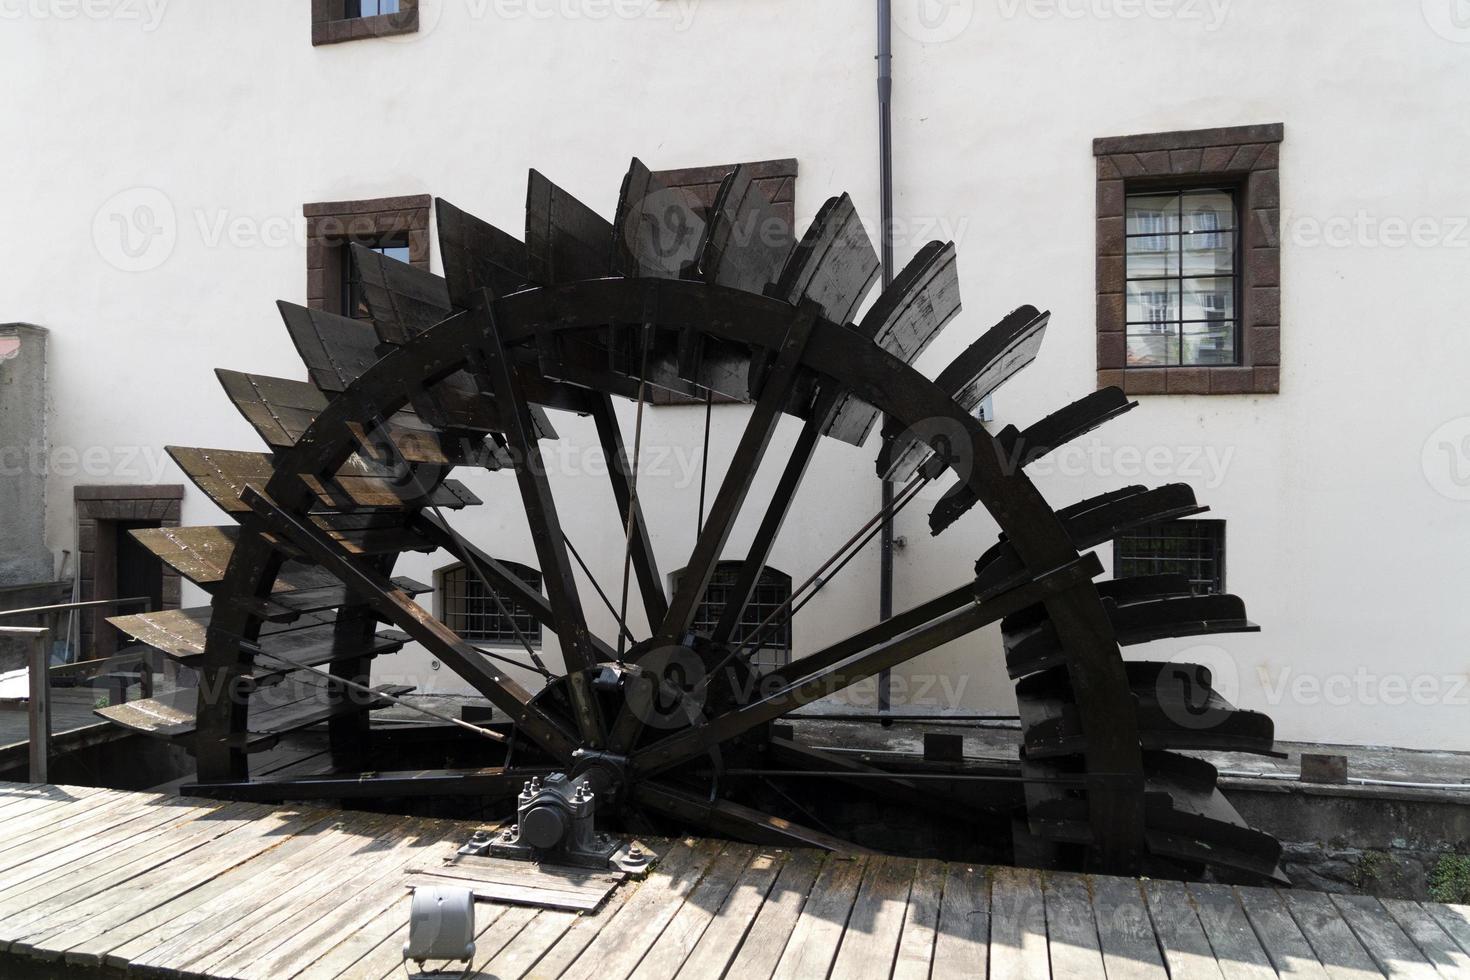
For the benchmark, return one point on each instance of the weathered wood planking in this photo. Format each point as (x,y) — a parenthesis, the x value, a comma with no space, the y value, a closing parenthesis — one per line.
(169,887)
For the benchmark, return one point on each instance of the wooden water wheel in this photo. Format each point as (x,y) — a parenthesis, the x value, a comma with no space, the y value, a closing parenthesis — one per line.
(467,371)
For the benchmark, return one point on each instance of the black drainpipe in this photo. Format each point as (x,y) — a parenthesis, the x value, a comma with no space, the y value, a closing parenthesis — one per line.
(885,251)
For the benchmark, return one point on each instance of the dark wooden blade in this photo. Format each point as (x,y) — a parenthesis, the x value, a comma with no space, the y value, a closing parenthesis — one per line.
(904,321)
(335,349)
(441,642)
(274,711)
(281,410)
(1037,647)
(736,485)
(477,256)
(498,376)
(1120,592)
(619,469)
(743,822)
(658,235)
(813,685)
(1098,520)
(1176,705)
(223,473)
(1041,438)
(976,373)
(565,239)
(748,241)
(834,266)
(402,299)
(310,641)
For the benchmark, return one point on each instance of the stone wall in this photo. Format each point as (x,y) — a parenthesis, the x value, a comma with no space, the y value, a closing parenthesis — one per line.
(24,557)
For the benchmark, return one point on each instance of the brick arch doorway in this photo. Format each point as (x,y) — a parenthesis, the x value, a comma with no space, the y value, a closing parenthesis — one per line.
(112,564)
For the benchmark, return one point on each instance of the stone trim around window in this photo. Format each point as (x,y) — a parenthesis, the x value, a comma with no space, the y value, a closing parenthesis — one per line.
(332,225)
(127,502)
(700,185)
(330,25)
(1244,157)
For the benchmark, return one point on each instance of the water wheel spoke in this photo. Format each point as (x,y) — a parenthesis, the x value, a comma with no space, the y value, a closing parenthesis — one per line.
(399,609)
(620,470)
(744,462)
(578,652)
(770,526)
(814,684)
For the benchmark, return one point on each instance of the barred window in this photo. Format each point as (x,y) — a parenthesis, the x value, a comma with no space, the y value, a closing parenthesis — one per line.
(472,612)
(1194,549)
(1181,274)
(772,592)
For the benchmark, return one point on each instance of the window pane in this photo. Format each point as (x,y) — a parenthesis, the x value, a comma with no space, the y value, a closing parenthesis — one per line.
(1153,349)
(1209,254)
(1153,255)
(1208,211)
(399,252)
(1153,214)
(1153,302)
(1209,343)
(1209,299)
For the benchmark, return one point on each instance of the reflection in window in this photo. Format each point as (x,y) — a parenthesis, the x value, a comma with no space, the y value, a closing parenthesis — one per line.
(1181,278)
(370,8)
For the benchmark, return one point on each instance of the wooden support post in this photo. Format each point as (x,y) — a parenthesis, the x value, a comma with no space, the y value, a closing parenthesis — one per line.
(39,707)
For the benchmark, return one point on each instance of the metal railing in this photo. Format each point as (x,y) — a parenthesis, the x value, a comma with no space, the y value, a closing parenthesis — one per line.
(39,670)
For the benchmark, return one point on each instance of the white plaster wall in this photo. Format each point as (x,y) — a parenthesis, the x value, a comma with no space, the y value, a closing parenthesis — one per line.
(1344,536)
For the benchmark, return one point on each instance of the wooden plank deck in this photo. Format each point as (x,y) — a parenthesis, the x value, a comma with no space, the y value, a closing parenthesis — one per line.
(144,884)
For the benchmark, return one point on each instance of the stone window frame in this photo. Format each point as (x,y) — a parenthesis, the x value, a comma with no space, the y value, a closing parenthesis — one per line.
(699,186)
(331,25)
(125,502)
(332,225)
(1245,158)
